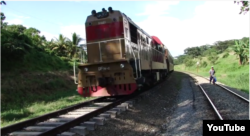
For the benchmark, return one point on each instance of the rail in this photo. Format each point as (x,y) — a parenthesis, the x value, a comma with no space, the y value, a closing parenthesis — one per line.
(218,84)
(215,109)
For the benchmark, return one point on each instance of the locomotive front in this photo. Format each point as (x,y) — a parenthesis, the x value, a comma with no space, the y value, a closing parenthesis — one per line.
(108,71)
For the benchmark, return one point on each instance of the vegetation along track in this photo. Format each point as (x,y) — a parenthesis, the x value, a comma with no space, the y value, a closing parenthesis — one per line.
(227,103)
(77,119)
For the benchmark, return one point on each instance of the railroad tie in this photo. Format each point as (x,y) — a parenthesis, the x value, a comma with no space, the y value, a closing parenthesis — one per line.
(102,104)
(79,130)
(89,125)
(119,110)
(50,123)
(98,120)
(84,110)
(60,119)
(78,112)
(24,133)
(112,113)
(130,103)
(105,115)
(69,116)
(38,128)
(67,134)
(122,107)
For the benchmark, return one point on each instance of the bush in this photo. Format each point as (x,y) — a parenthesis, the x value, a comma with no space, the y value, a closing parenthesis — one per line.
(225,55)
(204,64)
(213,58)
(189,63)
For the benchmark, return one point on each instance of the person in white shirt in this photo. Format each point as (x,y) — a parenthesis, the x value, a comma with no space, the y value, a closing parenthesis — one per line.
(212,72)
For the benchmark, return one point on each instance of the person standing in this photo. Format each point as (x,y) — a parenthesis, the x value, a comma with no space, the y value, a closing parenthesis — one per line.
(212,72)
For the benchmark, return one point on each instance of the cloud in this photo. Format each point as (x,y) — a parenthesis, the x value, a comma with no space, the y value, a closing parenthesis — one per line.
(48,36)
(17,20)
(157,8)
(213,21)
(21,17)
(14,21)
(78,29)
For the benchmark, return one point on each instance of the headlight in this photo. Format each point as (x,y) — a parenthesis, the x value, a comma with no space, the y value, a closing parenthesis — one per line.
(86,69)
(122,65)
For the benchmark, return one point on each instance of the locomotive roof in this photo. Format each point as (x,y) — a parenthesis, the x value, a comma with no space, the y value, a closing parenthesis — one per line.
(130,20)
(157,39)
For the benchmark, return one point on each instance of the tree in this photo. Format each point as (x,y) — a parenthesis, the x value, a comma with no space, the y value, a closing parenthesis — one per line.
(72,50)
(3,2)
(60,47)
(241,49)
(3,17)
(244,8)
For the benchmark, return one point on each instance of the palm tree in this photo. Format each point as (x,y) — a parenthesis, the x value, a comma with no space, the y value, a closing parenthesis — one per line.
(60,47)
(72,50)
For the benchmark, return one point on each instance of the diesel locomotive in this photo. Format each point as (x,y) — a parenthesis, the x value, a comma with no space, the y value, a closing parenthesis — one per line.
(122,57)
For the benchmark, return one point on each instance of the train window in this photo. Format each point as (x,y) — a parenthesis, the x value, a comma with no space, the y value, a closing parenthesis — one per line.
(147,41)
(133,33)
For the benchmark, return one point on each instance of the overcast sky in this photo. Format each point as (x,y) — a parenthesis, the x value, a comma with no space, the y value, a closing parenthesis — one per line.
(179,24)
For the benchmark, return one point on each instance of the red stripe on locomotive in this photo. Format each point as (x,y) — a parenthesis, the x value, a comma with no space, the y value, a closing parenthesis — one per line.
(102,31)
(122,89)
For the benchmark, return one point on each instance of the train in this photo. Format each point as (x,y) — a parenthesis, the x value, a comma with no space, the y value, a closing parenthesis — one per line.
(121,57)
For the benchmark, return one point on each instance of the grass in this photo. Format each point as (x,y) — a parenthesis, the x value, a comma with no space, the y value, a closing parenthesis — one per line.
(34,84)
(28,95)
(17,113)
(228,72)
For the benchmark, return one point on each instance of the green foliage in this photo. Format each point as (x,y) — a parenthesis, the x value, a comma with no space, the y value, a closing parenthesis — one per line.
(26,49)
(213,58)
(227,72)
(204,64)
(180,59)
(225,55)
(194,51)
(199,58)
(205,50)
(189,63)
(241,49)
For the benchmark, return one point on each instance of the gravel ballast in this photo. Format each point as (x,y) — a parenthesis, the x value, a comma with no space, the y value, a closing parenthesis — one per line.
(175,107)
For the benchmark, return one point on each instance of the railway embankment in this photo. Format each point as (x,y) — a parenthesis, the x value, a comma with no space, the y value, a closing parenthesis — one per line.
(25,95)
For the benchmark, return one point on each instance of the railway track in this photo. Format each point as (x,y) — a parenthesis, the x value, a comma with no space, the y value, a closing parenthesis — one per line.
(226,103)
(74,120)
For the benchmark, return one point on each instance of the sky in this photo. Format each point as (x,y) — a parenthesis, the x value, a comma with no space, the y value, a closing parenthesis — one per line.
(178,24)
